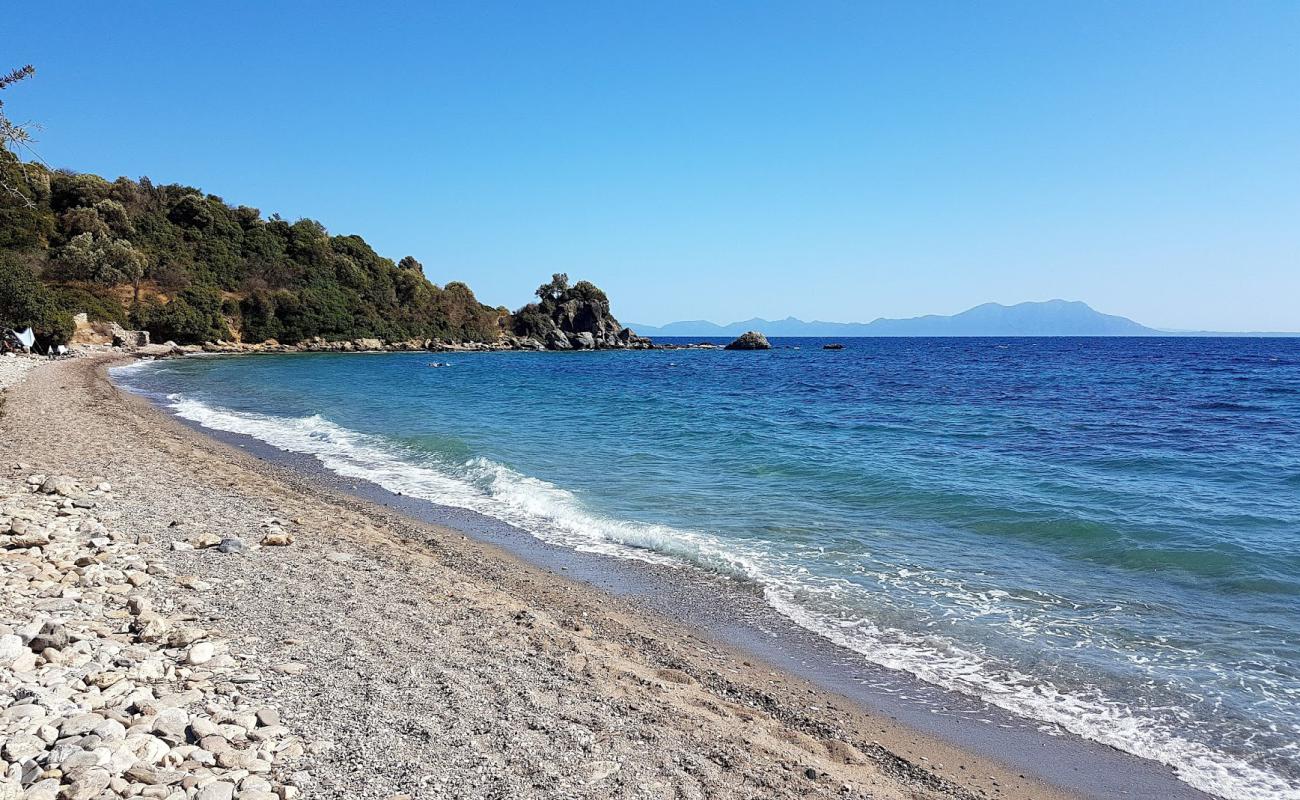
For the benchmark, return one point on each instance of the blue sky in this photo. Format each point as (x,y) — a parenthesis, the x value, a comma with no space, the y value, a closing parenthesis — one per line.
(829,160)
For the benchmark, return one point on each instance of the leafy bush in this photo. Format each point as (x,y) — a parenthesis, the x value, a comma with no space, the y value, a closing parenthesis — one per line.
(94,303)
(191,317)
(26,303)
(531,320)
(586,290)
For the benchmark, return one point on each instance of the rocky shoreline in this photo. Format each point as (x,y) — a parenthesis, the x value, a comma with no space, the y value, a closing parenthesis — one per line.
(506,344)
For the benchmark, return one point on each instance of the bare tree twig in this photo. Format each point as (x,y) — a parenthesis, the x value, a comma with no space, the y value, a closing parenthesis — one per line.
(16,136)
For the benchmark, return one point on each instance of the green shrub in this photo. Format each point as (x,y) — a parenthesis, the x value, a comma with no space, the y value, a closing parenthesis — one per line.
(97,307)
(192,317)
(26,303)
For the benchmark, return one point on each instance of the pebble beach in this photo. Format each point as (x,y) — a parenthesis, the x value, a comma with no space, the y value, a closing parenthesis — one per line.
(181,620)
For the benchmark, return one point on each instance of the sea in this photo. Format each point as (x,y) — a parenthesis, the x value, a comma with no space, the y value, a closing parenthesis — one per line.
(1099,534)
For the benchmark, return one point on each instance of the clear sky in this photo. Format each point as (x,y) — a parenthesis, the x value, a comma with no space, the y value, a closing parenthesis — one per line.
(838,161)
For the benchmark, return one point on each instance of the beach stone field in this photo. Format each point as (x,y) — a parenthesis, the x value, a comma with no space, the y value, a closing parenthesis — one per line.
(119,686)
(14,367)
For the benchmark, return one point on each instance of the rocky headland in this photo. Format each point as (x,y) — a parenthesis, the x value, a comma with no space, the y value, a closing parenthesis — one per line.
(576,317)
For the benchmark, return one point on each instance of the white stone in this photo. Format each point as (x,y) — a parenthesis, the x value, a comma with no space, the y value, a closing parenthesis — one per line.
(216,791)
(200,653)
(11,646)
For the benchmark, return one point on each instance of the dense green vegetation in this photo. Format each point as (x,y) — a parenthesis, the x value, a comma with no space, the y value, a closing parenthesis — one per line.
(538,319)
(188,267)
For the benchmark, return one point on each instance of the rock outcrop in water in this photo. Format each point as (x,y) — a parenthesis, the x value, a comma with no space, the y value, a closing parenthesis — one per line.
(568,317)
(753,340)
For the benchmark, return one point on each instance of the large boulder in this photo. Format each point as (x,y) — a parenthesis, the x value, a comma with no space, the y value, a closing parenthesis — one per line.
(128,339)
(752,340)
(60,485)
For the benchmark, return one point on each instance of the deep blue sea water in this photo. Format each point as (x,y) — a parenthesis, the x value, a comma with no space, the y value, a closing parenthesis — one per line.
(1101,534)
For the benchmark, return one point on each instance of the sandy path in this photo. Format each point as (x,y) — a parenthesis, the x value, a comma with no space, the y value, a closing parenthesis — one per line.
(441,667)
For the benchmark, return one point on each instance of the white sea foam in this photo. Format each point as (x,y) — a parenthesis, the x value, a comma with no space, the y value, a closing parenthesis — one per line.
(555,515)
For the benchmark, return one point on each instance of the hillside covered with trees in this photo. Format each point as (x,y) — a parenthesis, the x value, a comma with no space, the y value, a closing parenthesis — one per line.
(187,266)
(190,268)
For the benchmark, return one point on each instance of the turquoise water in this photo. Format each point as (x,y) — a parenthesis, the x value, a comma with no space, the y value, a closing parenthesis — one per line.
(1101,534)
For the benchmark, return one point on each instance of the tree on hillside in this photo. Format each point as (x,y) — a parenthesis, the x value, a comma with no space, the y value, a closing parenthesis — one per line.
(13,135)
(555,289)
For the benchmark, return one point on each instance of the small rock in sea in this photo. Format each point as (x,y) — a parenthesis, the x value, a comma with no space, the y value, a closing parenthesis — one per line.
(232,544)
(833,346)
(751,340)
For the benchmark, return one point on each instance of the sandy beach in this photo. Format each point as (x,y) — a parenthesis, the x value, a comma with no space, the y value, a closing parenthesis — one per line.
(405,659)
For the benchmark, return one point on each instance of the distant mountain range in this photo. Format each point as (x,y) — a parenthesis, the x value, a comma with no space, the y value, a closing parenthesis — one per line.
(1050,318)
